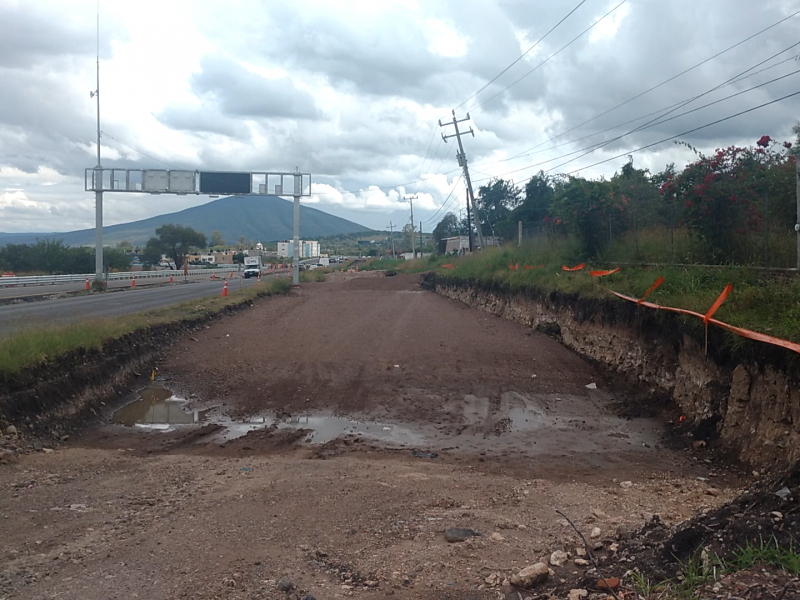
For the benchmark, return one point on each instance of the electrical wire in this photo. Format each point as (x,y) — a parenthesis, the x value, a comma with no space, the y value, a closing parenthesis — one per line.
(539,41)
(667,139)
(687,132)
(639,118)
(661,119)
(655,87)
(556,53)
(452,189)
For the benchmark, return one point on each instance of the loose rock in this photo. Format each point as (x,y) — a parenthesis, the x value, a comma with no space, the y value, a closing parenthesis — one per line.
(578,594)
(285,586)
(531,575)
(626,485)
(558,558)
(596,533)
(11,430)
(459,534)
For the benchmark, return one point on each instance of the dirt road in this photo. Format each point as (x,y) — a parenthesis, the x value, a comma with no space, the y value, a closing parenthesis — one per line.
(327,440)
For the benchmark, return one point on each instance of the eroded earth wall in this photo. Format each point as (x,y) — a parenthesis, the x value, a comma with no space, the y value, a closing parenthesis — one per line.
(747,398)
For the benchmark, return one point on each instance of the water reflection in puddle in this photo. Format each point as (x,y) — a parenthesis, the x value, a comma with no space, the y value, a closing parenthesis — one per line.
(325,428)
(157,408)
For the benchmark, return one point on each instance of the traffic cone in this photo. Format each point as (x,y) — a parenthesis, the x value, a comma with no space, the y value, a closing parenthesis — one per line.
(225,290)
(87,283)
(213,276)
(231,277)
(170,278)
(259,276)
(133,282)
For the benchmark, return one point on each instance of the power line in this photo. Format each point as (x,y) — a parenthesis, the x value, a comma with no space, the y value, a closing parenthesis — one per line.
(593,147)
(539,41)
(639,118)
(661,119)
(667,139)
(575,39)
(647,91)
(452,189)
(687,132)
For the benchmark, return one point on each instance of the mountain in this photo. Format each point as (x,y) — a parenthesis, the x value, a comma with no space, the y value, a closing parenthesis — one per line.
(260,218)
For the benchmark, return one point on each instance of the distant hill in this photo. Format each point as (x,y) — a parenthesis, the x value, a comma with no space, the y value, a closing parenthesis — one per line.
(261,218)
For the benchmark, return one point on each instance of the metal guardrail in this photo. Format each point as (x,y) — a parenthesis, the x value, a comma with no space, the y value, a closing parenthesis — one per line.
(55,279)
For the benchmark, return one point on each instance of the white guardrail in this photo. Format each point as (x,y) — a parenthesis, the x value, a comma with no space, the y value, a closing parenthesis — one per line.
(55,279)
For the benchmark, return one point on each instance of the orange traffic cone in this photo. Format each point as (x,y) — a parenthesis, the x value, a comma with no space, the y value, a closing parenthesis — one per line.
(133,282)
(231,275)
(213,276)
(87,283)
(259,276)
(170,278)
(225,290)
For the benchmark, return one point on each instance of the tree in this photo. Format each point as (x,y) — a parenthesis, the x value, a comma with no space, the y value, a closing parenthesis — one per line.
(216,239)
(238,258)
(447,227)
(495,202)
(175,241)
(125,246)
(408,229)
(794,150)
(240,245)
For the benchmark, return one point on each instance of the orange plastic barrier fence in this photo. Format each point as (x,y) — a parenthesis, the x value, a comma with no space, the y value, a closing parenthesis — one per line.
(448,266)
(603,273)
(717,304)
(536,267)
(578,268)
(514,267)
(746,333)
(658,282)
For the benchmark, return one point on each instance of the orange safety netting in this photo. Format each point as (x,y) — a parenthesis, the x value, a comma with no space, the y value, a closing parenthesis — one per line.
(603,273)
(448,266)
(746,333)
(578,268)
(514,267)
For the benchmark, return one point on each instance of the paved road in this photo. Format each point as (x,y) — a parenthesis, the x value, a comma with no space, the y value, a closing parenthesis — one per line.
(61,311)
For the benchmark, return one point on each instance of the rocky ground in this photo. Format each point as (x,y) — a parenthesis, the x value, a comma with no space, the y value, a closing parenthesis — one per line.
(335,442)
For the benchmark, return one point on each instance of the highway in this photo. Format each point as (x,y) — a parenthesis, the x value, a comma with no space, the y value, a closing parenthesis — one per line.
(63,311)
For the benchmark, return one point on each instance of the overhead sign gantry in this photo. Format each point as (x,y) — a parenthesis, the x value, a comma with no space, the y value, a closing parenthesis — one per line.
(210,183)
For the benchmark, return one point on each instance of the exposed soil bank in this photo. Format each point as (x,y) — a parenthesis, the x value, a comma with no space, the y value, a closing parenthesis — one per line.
(750,402)
(51,396)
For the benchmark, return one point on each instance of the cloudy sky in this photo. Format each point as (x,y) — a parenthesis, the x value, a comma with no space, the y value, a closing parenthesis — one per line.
(352,91)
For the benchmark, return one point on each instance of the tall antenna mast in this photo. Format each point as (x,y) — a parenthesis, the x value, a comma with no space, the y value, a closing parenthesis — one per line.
(98,175)
(97,90)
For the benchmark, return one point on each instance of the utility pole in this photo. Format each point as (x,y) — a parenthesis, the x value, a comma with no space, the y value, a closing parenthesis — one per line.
(462,162)
(420,239)
(99,273)
(391,233)
(411,198)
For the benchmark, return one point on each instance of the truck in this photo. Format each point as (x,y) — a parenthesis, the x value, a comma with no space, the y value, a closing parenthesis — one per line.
(324,261)
(252,266)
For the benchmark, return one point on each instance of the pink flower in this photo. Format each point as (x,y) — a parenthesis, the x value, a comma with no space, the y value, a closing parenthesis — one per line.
(787,144)
(764,141)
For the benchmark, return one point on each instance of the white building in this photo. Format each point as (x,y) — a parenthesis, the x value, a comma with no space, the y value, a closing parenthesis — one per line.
(308,249)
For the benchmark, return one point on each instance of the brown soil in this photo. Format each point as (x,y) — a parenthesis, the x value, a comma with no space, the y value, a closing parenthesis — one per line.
(123,512)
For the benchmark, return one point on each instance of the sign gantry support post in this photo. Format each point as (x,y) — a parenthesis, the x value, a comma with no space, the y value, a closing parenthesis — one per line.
(298,190)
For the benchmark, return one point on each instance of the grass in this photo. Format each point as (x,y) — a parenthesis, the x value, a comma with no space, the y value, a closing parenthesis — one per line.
(29,347)
(317,275)
(703,568)
(767,305)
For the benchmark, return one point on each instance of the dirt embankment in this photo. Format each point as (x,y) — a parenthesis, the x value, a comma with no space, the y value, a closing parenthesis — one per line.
(52,397)
(750,399)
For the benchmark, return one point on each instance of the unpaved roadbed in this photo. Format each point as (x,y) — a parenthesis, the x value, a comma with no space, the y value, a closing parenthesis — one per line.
(125,512)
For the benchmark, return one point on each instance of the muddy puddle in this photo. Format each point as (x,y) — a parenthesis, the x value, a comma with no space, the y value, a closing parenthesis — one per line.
(515,423)
(158,408)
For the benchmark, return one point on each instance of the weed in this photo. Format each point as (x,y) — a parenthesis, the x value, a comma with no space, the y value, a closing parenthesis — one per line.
(768,553)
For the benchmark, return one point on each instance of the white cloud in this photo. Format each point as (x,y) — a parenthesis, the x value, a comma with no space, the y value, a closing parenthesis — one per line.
(352,90)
